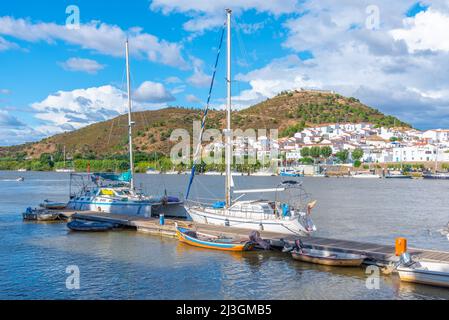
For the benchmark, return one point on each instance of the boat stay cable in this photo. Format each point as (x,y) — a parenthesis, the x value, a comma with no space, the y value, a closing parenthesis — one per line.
(205,112)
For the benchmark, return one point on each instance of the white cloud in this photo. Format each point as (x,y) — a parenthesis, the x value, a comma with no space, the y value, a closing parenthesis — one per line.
(99,37)
(274,6)
(153,92)
(13,131)
(172,80)
(13,136)
(249,28)
(426,31)
(192,98)
(71,110)
(281,74)
(178,89)
(206,14)
(382,70)
(68,110)
(84,65)
(199,78)
(8,120)
(7,45)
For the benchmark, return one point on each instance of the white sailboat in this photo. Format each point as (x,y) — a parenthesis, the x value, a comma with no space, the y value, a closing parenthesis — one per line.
(274,216)
(64,168)
(112,193)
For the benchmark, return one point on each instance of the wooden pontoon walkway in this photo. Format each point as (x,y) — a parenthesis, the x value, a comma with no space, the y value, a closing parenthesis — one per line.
(376,253)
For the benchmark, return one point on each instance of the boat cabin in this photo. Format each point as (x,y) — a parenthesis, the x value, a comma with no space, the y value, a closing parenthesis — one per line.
(264,208)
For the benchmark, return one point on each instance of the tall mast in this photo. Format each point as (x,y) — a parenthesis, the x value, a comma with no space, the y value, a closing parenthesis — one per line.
(228,151)
(130,122)
(436,158)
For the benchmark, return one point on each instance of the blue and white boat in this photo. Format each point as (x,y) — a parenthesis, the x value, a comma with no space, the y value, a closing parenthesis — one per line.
(116,193)
(290,173)
(111,193)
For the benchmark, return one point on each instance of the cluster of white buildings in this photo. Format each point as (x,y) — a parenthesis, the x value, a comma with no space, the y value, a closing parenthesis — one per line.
(379,145)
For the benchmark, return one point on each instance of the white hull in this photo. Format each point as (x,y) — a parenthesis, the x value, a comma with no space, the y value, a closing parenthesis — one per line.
(212,173)
(366,176)
(283,226)
(430,273)
(65,170)
(144,209)
(133,209)
(262,174)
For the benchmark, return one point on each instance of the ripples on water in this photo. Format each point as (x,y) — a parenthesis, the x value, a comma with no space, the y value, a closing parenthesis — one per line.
(129,265)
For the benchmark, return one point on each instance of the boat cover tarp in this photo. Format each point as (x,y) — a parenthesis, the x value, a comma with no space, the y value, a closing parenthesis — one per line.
(219,205)
(123,177)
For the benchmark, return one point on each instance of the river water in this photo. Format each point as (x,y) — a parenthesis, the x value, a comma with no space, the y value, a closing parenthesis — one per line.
(130,265)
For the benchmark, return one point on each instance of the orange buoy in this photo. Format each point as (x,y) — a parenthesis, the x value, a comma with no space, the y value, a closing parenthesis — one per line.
(401,246)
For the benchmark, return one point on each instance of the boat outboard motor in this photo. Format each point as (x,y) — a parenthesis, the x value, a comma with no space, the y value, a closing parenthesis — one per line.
(255,238)
(298,245)
(405,259)
(286,246)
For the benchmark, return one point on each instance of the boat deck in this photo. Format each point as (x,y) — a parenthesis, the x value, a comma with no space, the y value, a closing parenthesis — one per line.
(376,253)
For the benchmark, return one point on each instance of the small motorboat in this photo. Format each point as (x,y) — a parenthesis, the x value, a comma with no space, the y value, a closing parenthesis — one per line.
(152,171)
(40,215)
(423,272)
(436,176)
(290,173)
(89,226)
(53,205)
(197,239)
(366,176)
(326,257)
(20,179)
(397,176)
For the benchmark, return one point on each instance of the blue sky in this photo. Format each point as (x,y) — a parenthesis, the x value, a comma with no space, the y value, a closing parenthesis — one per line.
(391,55)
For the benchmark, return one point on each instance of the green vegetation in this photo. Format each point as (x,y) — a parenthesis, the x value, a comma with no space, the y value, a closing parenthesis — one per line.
(342,156)
(305,152)
(312,108)
(411,166)
(309,154)
(306,160)
(315,152)
(357,154)
(326,152)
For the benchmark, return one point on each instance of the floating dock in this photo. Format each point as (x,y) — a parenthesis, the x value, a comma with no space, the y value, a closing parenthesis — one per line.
(376,254)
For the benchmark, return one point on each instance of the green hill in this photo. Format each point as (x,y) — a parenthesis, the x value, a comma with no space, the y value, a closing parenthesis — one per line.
(289,112)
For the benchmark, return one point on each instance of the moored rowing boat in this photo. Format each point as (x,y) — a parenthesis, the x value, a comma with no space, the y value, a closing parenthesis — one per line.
(197,239)
(40,215)
(89,226)
(425,272)
(52,205)
(326,257)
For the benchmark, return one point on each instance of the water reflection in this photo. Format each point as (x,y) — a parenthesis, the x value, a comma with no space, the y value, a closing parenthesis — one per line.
(131,265)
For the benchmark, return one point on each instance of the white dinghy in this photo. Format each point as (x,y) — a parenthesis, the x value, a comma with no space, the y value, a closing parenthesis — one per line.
(423,272)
